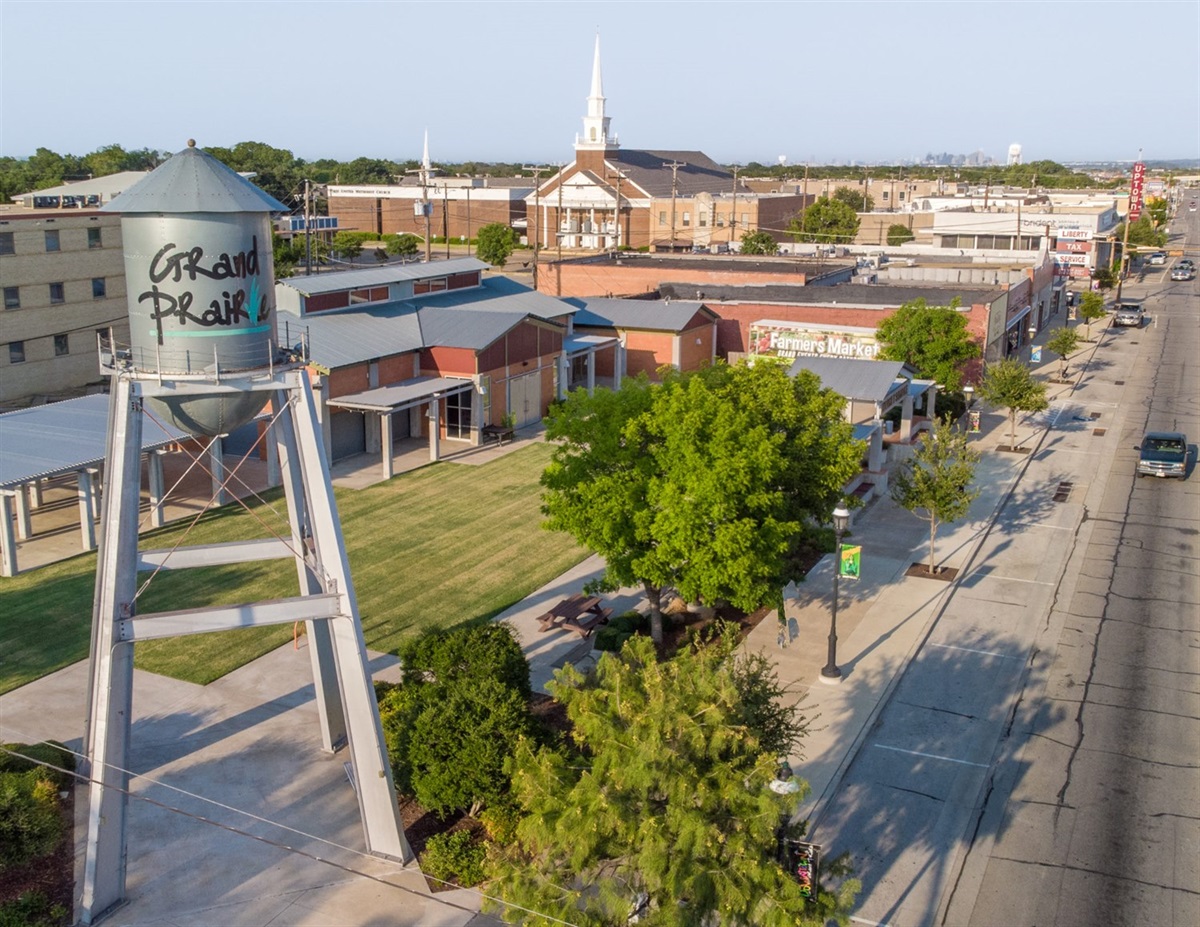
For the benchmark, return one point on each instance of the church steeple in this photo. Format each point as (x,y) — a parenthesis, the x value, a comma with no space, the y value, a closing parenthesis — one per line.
(595,123)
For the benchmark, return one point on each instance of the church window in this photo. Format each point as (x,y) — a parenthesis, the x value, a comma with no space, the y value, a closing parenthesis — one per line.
(593,133)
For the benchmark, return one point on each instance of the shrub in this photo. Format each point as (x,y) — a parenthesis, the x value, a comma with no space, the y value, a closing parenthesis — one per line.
(611,638)
(500,821)
(30,825)
(454,857)
(631,622)
(898,234)
(454,722)
(31,909)
(49,752)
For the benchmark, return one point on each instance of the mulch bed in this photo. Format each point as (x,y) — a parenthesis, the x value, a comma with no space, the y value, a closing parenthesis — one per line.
(52,876)
(1009,449)
(921,571)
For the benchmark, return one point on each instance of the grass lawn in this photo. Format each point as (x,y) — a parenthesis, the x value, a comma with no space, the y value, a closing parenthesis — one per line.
(438,547)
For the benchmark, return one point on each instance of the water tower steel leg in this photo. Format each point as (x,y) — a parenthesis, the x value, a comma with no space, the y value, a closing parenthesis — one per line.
(373,773)
(320,641)
(111,698)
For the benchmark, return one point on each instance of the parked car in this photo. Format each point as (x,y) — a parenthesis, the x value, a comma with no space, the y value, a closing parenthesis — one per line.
(1129,312)
(1157,259)
(1163,453)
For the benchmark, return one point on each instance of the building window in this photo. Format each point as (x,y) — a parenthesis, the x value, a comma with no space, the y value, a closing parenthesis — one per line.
(16,352)
(703,217)
(99,291)
(12,297)
(662,218)
(6,243)
(687,219)
(52,240)
(745,220)
(61,346)
(885,196)
(94,238)
(901,196)
(720,220)
(56,293)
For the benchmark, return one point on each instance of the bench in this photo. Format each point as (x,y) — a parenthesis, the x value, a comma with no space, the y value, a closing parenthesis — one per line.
(587,622)
(497,432)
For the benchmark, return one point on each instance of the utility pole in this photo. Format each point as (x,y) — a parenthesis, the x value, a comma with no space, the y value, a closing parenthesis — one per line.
(804,199)
(674,166)
(468,220)
(617,211)
(558,233)
(307,229)
(733,209)
(537,170)
(446,216)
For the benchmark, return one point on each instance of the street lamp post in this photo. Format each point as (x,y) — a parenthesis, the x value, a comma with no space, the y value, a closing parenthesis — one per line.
(841,521)
(969,395)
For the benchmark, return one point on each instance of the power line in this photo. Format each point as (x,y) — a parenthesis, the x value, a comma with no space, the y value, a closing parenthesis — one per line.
(265,840)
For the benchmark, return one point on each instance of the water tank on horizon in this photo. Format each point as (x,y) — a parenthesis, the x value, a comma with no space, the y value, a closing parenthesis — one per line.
(1014,153)
(200,283)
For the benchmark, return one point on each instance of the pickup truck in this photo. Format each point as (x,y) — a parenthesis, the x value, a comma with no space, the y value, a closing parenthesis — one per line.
(1129,312)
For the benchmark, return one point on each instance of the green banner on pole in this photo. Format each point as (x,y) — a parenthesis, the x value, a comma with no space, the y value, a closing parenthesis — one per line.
(850,561)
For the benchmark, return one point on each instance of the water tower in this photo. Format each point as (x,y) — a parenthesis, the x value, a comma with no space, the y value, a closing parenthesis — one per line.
(204,355)
(1014,153)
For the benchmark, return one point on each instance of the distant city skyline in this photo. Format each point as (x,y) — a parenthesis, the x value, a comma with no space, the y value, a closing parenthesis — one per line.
(865,82)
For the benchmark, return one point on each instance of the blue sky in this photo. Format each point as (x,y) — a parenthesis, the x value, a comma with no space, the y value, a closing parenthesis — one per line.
(506,81)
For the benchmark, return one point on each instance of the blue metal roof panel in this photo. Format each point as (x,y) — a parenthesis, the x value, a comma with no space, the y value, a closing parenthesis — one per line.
(500,294)
(62,437)
(405,393)
(338,339)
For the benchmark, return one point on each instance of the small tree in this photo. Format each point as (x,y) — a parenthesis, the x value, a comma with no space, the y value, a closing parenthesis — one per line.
(404,245)
(1009,385)
(494,244)
(1063,343)
(759,243)
(933,483)
(348,245)
(1091,308)
(898,234)
(1105,278)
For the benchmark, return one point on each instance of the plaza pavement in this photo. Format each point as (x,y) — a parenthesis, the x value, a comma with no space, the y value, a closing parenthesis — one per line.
(245,822)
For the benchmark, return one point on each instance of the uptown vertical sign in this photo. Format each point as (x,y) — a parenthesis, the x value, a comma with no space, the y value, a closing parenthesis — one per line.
(1137,187)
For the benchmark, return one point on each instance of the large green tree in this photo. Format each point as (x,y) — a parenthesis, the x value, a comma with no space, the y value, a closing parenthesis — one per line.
(826,222)
(1009,385)
(933,340)
(661,802)
(759,243)
(935,483)
(705,482)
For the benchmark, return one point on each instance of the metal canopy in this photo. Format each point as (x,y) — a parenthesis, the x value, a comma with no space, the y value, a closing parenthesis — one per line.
(65,437)
(403,395)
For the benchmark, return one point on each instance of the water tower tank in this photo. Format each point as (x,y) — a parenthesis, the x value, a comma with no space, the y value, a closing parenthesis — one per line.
(200,280)
(1014,153)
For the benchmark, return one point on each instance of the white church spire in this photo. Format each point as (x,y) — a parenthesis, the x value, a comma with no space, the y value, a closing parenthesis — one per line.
(595,123)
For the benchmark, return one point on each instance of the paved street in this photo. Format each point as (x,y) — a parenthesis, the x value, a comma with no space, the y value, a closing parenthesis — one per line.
(1037,762)
(1092,814)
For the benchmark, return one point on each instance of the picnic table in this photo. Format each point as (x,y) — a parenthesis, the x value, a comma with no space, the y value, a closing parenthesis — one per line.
(498,432)
(579,613)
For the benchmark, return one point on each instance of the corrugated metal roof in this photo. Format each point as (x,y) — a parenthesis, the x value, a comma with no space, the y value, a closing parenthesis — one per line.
(62,437)
(380,276)
(657,315)
(580,343)
(338,339)
(465,328)
(193,181)
(399,395)
(866,380)
(501,294)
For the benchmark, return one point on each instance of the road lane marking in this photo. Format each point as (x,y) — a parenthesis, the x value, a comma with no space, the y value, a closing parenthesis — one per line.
(931,756)
(986,653)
